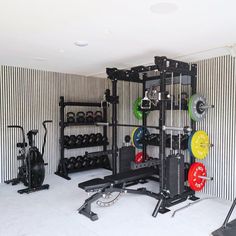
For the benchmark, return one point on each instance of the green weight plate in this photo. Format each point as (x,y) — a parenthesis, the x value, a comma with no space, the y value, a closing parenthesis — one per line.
(137,113)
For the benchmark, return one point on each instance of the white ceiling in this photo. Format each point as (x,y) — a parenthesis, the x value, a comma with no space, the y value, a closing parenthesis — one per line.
(121,33)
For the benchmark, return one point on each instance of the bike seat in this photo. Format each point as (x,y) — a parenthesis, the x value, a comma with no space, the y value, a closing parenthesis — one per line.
(32,132)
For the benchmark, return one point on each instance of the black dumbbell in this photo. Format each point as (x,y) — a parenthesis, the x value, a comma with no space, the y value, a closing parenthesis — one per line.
(98,138)
(85,140)
(104,139)
(85,162)
(79,139)
(80,117)
(78,163)
(72,141)
(71,163)
(70,117)
(89,117)
(91,162)
(98,116)
(97,161)
(105,161)
(66,140)
(92,139)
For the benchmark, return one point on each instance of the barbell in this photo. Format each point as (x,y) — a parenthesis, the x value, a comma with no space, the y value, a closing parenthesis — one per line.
(185,129)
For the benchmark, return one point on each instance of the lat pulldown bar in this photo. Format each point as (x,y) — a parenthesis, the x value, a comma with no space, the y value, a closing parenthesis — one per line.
(185,129)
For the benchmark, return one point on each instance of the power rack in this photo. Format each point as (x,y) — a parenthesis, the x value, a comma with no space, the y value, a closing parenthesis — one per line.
(62,171)
(162,73)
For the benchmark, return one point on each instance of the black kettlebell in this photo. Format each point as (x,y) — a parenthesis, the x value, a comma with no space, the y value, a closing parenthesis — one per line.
(78,163)
(79,140)
(98,138)
(70,117)
(85,140)
(80,117)
(98,116)
(89,117)
(92,139)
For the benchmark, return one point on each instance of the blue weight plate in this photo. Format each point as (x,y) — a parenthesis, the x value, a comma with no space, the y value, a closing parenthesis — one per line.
(138,134)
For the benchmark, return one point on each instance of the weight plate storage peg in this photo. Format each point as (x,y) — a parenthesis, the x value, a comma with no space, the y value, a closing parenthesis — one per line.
(199,144)
(137,135)
(136,109)
(197,176)
(197,107)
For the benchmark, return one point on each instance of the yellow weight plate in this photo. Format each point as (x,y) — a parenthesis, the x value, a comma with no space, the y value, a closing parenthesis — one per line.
(132,136)
(200,144)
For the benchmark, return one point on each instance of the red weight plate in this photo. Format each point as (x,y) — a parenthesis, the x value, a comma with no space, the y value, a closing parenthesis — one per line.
(197,169)
(139,158)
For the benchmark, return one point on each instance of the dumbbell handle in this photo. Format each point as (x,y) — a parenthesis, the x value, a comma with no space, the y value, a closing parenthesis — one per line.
(205,177)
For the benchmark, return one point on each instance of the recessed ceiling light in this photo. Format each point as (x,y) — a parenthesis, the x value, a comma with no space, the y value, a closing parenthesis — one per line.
(164,8)
(81,43)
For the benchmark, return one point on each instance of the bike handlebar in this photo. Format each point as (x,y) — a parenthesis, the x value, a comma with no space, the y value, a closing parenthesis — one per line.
(15,126)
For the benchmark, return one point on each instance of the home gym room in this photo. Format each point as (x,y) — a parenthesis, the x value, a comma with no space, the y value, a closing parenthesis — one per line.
(117,117)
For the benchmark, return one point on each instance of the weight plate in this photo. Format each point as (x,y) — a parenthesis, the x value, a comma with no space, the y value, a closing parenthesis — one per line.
(137,135)
(194,107)
(200,144)
(137,113)
(139,158)
(189,143)
(197,169)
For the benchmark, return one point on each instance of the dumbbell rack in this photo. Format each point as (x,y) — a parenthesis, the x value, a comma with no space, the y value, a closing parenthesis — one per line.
(62,171)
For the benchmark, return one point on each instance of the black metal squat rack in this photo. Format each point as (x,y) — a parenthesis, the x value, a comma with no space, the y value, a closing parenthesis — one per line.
(62,171)
(167,68)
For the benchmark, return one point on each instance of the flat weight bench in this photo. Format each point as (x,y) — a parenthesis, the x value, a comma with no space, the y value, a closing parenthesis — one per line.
(114,183)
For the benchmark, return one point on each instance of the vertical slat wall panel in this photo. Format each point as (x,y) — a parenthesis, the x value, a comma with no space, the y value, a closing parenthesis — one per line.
(217,81)
(30,96)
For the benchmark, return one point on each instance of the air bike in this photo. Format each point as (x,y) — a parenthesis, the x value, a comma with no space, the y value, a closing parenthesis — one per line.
(32,170)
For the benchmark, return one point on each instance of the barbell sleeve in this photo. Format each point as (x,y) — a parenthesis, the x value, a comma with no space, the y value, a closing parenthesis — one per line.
(102,124)
(204,107)
(205,177)
(184,129)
